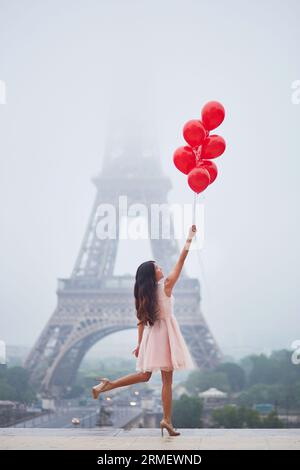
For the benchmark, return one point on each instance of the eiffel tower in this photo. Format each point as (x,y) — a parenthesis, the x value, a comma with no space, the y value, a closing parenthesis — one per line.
(93,303)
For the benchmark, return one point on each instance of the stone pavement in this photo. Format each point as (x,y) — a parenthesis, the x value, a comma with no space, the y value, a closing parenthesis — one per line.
(109,438)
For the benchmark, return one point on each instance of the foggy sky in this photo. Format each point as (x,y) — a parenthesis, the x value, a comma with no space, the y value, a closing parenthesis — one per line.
(71,65)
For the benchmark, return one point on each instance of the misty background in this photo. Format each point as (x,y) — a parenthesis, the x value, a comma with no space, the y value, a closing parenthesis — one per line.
(70,68)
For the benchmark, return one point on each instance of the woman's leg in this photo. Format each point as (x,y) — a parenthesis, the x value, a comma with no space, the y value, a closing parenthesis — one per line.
(166,394)
(129,380)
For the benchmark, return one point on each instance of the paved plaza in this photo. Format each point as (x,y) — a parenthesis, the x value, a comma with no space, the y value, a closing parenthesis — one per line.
(151,439)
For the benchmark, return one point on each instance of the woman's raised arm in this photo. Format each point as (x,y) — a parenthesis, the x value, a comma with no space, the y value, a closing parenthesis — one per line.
(172,278)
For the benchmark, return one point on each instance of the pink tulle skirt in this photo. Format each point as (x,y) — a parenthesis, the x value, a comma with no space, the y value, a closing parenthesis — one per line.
(163,347)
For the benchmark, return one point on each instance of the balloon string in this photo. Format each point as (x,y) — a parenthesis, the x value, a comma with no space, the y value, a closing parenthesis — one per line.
(194,208)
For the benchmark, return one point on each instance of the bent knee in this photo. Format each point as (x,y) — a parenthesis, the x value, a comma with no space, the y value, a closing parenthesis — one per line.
(146,376)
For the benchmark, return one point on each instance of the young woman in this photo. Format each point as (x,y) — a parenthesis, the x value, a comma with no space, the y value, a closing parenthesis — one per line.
(161,345)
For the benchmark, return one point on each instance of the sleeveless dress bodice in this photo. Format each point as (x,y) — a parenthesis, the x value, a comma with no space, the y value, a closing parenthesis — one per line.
(163,346)
(165,303)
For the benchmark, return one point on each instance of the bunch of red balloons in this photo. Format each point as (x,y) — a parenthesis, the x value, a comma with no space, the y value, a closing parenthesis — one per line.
(194,159)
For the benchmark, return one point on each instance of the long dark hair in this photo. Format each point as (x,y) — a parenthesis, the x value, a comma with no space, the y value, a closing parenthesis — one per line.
(145,293)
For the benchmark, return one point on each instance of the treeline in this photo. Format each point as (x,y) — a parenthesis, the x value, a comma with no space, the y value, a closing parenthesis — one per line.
(256,379)
(259,378)
(14,385)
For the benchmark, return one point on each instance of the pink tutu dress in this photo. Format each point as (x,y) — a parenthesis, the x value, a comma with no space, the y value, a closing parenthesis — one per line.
(163,346)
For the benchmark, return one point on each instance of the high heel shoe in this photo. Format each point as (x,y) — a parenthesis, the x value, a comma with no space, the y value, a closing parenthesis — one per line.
(102,387)
(169,427)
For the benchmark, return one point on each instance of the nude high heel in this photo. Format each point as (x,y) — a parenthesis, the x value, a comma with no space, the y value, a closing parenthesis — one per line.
(169,427)
(102,387)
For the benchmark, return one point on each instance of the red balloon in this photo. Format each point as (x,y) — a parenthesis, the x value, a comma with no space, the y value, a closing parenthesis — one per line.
(198,179)
(212,114)
(184,159)
(194,132)
(213,146)
(211,167)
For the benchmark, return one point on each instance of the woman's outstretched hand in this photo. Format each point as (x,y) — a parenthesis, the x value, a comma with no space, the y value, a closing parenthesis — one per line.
(136,351)
(192,231)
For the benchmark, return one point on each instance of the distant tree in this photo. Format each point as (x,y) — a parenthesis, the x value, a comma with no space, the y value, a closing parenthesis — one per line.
(275,369)
(288,373)
(7,392)
(199,381)
(187,412)
(14,384)
(262,393)
(260,379)
(263,370)
(241,417)
(296,395)
(235,375)
(281,395)
(272,421)
(233,417)
(227,417)
(250,418)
